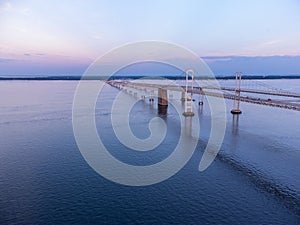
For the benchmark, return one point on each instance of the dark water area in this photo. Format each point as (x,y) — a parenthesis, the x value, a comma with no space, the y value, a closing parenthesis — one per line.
(44,179)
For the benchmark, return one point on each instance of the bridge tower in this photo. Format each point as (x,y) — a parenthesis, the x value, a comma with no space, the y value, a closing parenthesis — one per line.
(189,81)
(237,97)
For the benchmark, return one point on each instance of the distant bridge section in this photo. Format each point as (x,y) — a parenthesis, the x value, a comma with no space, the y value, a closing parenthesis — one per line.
(233,93)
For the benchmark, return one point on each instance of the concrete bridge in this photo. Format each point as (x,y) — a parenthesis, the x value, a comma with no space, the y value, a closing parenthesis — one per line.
(189,90)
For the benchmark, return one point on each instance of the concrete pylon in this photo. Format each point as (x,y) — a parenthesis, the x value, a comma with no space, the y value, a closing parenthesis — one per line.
(162,103)
(182,96)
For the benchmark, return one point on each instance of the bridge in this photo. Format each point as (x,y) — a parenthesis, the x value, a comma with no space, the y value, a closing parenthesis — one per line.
(241,92)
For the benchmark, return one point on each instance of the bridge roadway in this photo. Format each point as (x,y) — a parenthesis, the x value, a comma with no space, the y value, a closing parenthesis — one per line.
(283,94)
(219,92)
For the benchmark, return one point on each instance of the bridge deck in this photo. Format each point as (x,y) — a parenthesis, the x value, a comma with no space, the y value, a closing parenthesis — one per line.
(219,92)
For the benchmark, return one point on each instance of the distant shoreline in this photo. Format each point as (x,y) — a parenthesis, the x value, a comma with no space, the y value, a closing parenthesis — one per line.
(123,77)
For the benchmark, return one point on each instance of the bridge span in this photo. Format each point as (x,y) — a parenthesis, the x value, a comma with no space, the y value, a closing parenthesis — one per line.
(192,88)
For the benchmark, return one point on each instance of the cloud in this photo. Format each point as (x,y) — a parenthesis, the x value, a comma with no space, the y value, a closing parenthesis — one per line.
(272,42)
(24,11)
(211,59)
(4,60)
(97,37)
(6,7)
(268,47)
(20,29)
(275,65)
(34,54)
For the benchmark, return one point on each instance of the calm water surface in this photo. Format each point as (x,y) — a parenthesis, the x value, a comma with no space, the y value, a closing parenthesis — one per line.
(45,180)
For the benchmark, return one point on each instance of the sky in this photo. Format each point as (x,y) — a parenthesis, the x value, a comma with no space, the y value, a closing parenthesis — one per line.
(64,37)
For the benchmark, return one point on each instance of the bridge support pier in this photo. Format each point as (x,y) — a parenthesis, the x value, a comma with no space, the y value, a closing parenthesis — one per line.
(236,111)
(183,96)
(151,99)
(162,103)
(200,100)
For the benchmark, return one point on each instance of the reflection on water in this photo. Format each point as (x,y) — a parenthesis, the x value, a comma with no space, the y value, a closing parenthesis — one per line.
(200,109)
(235,124)
(45,180)
(188,126)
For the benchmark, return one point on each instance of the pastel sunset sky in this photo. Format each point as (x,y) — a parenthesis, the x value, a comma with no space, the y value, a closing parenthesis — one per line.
(64,37)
